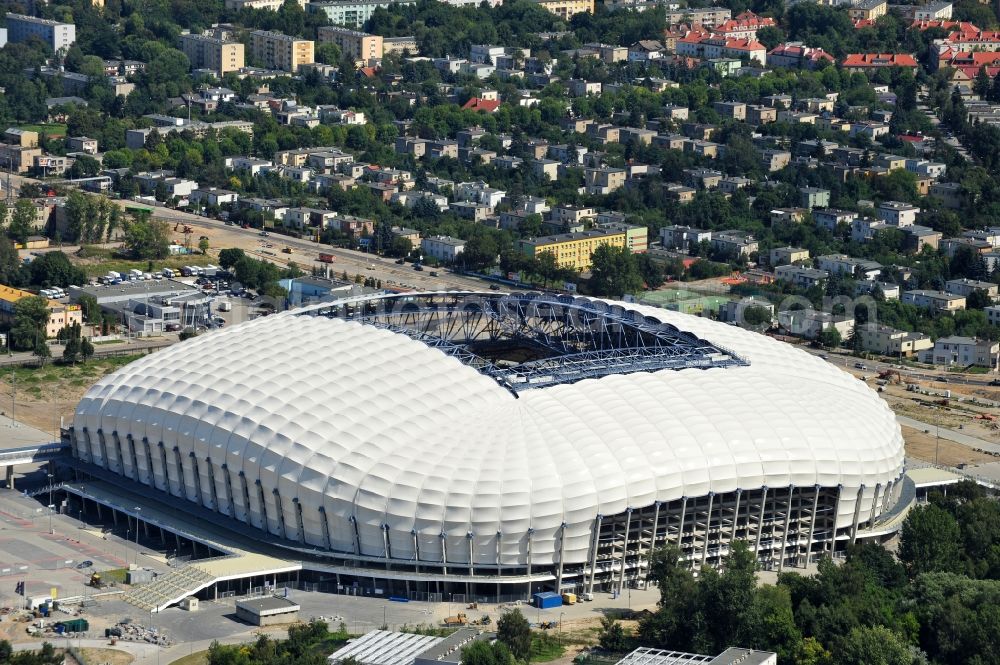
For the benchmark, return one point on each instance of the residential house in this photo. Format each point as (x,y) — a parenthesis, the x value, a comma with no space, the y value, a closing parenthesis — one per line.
(801,276)
(940,301)
(888,341)
(963,352)
(443,248)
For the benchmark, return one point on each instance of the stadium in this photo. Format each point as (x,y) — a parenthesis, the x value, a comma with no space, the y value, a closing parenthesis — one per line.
(502,443)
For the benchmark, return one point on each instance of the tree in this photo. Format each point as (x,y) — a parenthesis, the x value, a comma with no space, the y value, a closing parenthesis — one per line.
(545,266)
(71,336)
(613,272)
(514,632)
(91,310)
(612,636)
(480,252)
(230,257)
(147,239)
(42,350)
(71,351)
(756,315)
(86,349)
(203,245)
(481,652)
(830,338)
(55,269)
(930,540)
(22,221)
(29,327)
(877,645)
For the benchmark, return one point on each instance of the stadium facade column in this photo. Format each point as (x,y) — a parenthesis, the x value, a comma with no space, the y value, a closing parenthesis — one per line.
(133,457)
(562,556)
(104,449)
(118,452)
(181,487)
(472,546)
(594,542)
(444,550)
(680,526)
(788,523)
(89,457)
(149,462)
(760,520)
(652,538)
(812,525)
(230,500)
(416,549)
(708,528)
(887,495)
(736,515)
(628,526)
(832,543)
(874,514)
(857,513)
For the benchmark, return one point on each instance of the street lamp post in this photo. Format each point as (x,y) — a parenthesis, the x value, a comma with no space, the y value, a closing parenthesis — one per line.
(137,511)
(51,505)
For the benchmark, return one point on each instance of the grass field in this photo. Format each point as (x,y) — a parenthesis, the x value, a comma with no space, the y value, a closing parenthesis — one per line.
(196,658)
(38,381)
(545,648)
(97,261)
(53,130)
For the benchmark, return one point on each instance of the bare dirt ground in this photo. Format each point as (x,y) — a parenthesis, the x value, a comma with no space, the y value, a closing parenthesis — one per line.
(47,394)
(923,446)
(95,656)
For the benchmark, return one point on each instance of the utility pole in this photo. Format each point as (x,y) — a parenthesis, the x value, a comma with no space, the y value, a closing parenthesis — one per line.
(13,395)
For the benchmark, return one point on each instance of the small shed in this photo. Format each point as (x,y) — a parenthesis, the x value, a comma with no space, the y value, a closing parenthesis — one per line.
(190,604)
(267,611)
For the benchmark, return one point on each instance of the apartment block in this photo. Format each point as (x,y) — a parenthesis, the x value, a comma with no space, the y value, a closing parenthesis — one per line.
(278,51)
(573,250)
(353,13)
(219,55)
(21,28)
(352,43)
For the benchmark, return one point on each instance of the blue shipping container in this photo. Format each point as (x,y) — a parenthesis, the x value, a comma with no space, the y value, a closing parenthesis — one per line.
(547,599)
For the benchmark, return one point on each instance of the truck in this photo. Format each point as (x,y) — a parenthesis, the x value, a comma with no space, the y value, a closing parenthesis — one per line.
(225,306)
(168,273)
(326,258)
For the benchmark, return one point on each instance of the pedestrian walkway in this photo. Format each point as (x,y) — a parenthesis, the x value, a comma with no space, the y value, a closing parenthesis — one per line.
(238,562)
(950,434)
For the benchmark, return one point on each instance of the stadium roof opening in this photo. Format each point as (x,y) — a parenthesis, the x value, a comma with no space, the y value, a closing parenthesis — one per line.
(533,340)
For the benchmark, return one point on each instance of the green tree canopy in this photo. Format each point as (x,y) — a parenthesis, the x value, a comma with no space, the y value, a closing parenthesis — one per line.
(513,631)
(930,540)
(147,239)
(614,272)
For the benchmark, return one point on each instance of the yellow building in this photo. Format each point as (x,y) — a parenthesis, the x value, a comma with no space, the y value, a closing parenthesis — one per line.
(868,10)
(60,315)
(354,44)
(219,55)
(566,9)
(275,50)
(573,250)
(23,138)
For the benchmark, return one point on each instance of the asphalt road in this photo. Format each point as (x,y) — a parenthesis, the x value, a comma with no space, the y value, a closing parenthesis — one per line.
(353,262)
(873,367)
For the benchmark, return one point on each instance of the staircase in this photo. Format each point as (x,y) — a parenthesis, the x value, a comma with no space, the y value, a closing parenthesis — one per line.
(168,589)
